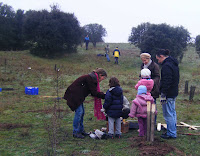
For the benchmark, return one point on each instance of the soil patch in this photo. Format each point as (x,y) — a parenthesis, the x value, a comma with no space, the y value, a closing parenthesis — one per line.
(50,110)
(157,147)
(9,126)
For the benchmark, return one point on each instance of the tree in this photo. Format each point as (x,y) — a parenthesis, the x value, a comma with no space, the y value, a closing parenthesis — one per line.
(51,33)
(18,28)
(96,32)
(7,34)
(197,44)
(150,37)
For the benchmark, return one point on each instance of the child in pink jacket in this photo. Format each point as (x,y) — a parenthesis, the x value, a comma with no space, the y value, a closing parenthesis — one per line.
(139,108)
(145,80)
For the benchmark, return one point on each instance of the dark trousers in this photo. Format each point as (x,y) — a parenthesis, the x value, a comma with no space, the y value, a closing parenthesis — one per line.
(116,60)
(142,126)
(86,43)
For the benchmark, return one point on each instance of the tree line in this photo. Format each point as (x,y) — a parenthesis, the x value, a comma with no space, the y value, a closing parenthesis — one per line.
(54,33)
(44,33)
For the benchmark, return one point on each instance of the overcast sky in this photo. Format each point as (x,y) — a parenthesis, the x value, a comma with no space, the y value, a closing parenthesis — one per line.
(119,16)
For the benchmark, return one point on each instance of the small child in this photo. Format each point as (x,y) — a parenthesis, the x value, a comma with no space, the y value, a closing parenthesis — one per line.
(145,80)
(139,108)
(116,54)
(113,106)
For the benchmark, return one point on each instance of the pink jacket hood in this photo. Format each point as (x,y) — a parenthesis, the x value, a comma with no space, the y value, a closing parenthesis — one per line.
(146,82)
(139,105)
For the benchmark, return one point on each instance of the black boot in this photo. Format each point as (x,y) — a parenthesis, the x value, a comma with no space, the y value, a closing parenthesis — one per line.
(78,136)
(84,133)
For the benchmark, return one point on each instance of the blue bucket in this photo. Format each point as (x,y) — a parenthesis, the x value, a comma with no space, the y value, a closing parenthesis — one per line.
(31,90)
(0,89)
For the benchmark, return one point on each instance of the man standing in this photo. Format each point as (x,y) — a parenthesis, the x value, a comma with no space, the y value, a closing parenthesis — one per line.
(169,90)
(116,54)
(87,40)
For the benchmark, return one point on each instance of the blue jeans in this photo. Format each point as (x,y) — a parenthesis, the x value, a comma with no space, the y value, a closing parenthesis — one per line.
(78,120)
(169,114)
(108,58)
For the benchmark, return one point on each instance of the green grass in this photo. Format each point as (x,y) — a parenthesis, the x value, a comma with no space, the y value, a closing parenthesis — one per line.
(26,110)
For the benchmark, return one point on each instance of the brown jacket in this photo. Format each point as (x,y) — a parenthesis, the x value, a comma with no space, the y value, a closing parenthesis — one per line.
(155,75)
(80,89)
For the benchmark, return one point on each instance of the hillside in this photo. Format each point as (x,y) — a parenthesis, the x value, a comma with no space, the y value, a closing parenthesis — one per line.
(30,124)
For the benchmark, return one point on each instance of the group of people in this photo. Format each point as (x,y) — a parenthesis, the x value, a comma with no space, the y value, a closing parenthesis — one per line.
(116,52)
(149,87)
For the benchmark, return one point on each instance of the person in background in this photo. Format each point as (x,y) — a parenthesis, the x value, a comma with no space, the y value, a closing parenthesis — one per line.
(168,90)
(113,106)
(116,54)
(155,74)
(76,94)
(107,53)
(139,108)
(87,40)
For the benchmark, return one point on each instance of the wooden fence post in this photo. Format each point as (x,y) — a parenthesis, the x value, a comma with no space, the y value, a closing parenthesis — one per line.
(186,87)
(151,109)
(192,91)
(148,120)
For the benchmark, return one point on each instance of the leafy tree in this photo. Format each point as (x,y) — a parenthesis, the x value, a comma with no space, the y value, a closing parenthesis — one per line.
(96,32)
(150,37)
(197,44)
(7,34)
(51,33)
(19,37)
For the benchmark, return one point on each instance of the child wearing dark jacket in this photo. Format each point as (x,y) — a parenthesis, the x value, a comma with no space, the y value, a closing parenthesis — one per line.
(113,106)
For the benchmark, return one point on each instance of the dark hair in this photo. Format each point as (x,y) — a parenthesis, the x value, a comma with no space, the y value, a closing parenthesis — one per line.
(101,72)
(113,82)
(164,52)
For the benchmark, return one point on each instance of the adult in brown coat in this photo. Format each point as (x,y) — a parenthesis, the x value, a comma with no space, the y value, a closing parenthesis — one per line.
(76,94)
(155,73)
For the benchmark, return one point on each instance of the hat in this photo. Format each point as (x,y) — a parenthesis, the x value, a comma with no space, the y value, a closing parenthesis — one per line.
(145,55)
(145,73)
(142,90)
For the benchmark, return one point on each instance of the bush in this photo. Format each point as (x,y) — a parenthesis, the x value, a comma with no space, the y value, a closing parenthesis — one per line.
(150,37)
(51,33)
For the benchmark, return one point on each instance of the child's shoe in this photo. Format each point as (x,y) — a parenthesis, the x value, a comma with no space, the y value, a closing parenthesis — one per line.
(118,136)
(110,136)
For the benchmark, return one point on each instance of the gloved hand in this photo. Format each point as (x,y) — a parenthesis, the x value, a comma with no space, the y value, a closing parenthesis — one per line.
(163,98)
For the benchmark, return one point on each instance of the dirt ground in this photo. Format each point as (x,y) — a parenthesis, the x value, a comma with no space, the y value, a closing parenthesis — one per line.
(47,111)
(9,126)
(158,147)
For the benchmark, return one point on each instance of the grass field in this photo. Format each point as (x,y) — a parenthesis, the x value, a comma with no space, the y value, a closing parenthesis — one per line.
(42,125)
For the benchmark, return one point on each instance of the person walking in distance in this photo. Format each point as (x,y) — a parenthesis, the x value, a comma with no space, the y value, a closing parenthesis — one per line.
(168,90)
(87,40)
(116,54)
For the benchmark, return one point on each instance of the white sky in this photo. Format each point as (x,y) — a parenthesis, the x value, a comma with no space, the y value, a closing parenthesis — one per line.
(119,16)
